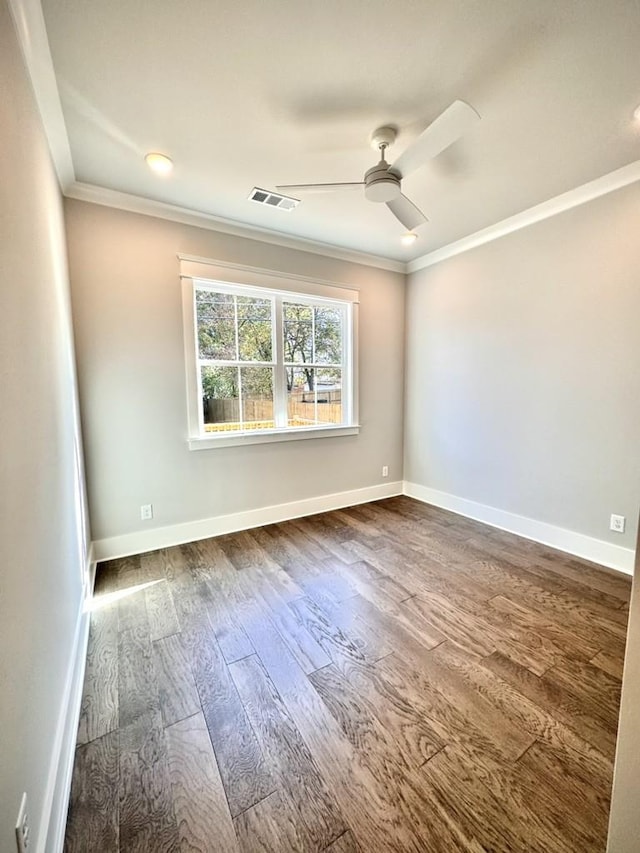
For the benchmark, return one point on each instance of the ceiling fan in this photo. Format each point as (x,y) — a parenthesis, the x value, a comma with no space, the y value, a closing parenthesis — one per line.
(382,183)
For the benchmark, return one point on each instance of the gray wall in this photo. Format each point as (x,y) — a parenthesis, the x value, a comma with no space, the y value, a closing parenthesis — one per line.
(523,371)
(129,338)
(40,521)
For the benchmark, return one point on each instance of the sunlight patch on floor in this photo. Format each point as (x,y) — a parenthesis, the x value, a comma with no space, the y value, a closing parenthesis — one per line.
(99,601)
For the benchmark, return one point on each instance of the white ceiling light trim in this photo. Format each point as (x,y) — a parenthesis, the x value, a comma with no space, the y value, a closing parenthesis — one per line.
(34,44)
(159,163)
(174,213)
(610,182)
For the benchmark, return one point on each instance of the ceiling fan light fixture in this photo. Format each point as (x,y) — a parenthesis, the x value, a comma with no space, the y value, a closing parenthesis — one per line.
(382,190)
(409,238)
(380,184)
(159,163)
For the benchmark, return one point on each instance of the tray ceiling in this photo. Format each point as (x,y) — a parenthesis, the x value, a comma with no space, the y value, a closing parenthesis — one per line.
(259,94)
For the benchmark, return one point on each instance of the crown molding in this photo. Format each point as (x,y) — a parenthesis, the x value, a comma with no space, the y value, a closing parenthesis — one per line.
(186,216)
(615,180)
(603,185)
(31,31)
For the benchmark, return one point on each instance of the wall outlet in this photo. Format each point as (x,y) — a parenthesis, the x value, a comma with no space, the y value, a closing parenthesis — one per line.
(146,512)
(22,827)
(385,470)
(617,523)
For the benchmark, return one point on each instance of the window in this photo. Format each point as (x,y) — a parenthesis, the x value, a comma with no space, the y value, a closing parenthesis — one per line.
(268,364)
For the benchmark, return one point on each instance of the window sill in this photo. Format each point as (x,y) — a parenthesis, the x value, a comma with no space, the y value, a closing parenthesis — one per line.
(268,436)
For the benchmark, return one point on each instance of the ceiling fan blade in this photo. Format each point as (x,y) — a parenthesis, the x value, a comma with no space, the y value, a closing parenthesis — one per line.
(317,188)
(450,125)
(407,212)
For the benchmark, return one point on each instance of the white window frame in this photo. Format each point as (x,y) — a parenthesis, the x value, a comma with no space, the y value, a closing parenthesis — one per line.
(233,278)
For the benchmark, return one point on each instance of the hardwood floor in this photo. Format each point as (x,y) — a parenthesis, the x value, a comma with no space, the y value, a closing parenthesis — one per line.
(389,677)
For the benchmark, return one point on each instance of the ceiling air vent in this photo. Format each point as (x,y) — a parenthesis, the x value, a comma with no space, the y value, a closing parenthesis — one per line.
(282,202)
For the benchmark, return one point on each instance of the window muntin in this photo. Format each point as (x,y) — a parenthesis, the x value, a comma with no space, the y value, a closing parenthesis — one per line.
(271,361)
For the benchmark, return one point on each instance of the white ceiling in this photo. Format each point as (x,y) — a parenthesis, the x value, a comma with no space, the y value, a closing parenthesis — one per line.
(264,92)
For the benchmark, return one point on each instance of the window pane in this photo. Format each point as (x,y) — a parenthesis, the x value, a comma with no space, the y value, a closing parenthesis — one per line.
(328,336)
(237,351)
(257,397)
(298,333)
(216,325)
(254,329)
(220,398)
(329,396)
(301,403)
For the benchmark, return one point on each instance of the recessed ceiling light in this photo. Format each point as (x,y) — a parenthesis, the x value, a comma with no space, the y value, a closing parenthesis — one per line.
(159,163)
(408,238)
(636,113)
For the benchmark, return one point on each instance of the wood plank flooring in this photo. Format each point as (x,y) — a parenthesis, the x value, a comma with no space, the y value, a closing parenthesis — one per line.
(389,677)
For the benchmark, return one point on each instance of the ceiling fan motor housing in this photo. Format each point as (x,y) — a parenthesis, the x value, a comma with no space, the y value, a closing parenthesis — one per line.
(380,183)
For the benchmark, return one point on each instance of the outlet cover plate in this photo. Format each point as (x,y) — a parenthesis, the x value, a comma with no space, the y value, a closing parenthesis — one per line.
(617,523)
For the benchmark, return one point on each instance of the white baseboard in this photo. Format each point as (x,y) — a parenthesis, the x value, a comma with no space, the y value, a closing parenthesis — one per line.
(596,550)
(190,531)
(56,803)
(578,544)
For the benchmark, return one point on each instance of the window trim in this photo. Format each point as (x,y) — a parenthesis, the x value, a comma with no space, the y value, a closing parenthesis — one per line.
(235,278)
